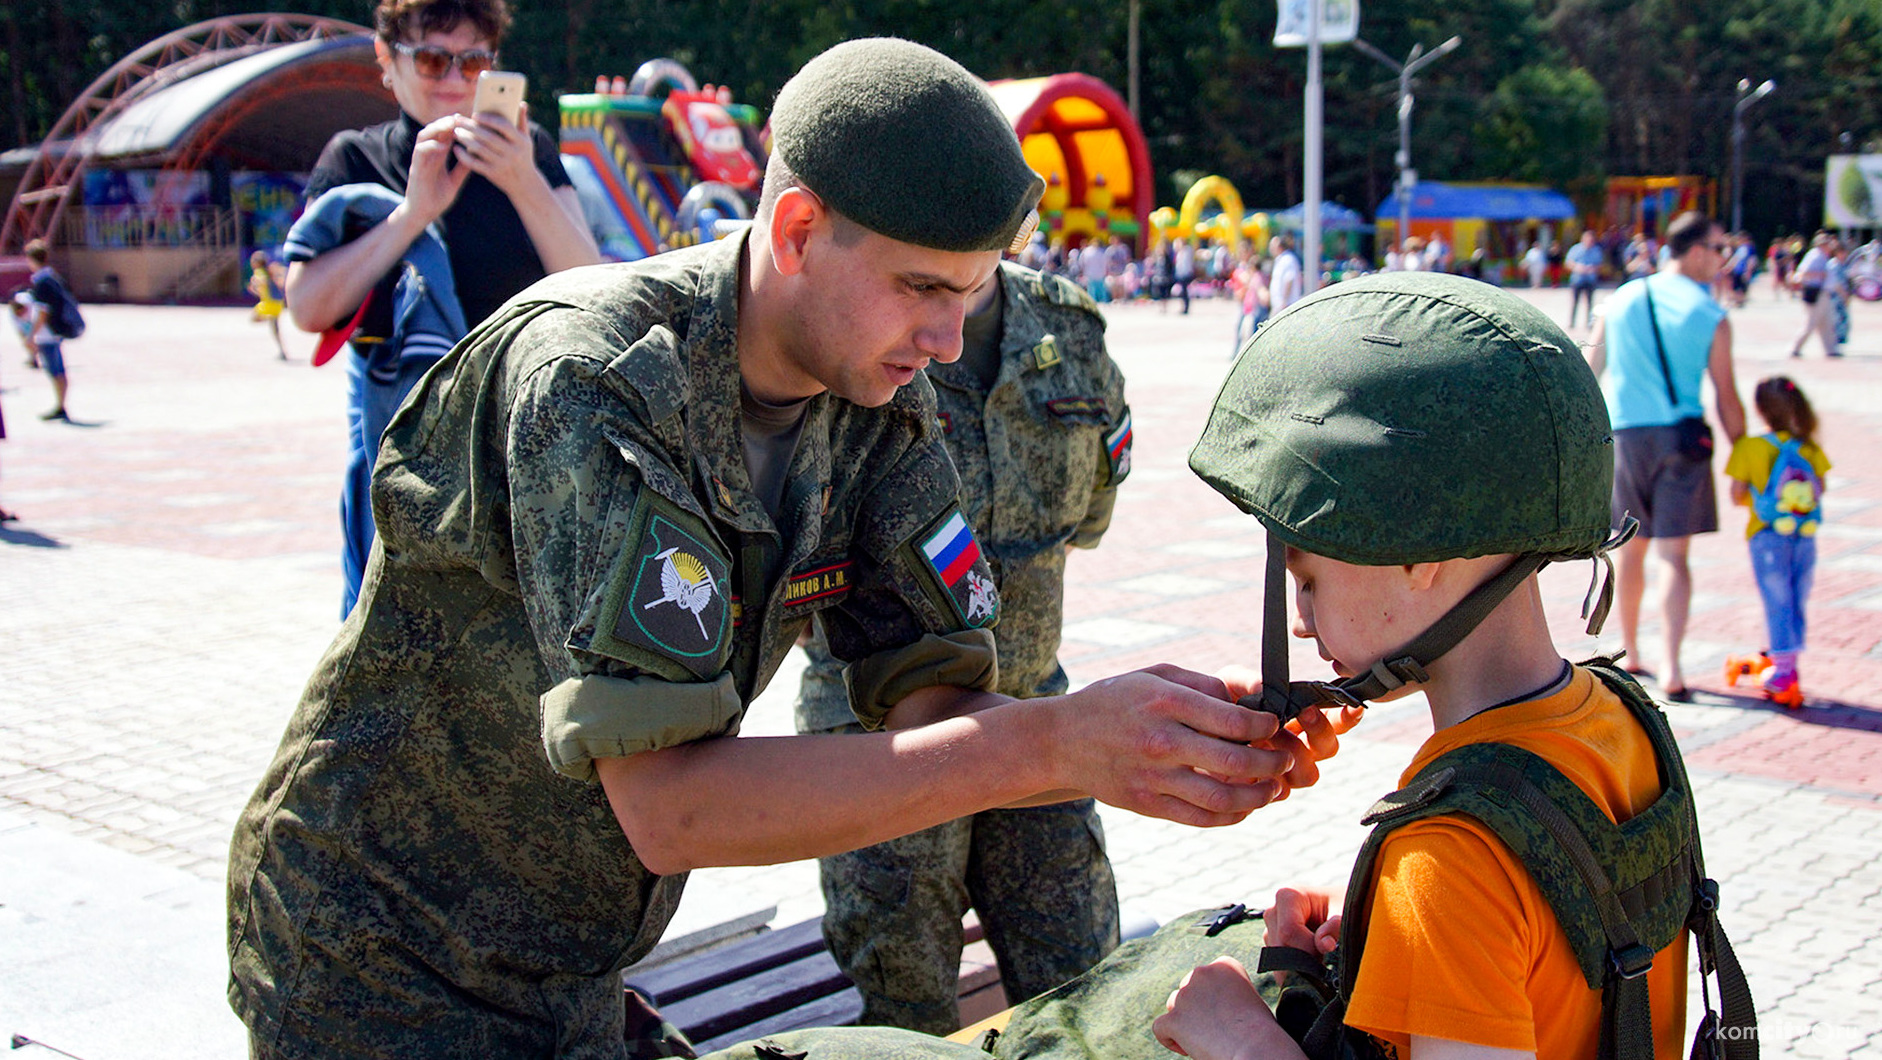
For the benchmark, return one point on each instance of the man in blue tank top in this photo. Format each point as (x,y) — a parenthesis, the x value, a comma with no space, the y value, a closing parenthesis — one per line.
(1660,337)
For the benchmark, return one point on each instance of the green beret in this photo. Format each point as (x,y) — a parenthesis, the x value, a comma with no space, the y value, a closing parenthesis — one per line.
(904,141)
(1411,417)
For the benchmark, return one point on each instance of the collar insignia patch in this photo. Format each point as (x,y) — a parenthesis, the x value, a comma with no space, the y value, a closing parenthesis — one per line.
(1046,353)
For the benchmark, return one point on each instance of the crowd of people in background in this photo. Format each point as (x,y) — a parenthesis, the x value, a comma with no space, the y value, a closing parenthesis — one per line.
(1821,273)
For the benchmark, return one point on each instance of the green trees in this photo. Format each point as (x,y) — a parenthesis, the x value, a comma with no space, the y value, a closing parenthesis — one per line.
(1559,91)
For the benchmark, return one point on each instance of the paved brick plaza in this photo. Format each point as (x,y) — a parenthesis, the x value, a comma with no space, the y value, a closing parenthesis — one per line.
(175,575)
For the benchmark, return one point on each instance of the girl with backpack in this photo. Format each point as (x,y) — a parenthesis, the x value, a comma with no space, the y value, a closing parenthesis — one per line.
(1779,476)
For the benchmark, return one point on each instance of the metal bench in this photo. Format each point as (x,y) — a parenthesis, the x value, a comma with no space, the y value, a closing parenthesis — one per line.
(772,981)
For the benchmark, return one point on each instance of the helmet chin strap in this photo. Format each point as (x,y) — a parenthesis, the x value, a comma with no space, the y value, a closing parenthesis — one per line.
(1286,699)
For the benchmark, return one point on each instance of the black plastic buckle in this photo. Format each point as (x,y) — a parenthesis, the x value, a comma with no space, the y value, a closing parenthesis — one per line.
(1334,695)
(1630,963)
(1234,914)
(1708,897)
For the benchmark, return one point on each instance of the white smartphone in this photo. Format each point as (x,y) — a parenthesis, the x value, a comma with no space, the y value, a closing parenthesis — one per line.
(501,92)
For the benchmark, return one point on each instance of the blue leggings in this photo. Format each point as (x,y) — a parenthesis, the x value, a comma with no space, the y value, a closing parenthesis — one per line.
(1784,565)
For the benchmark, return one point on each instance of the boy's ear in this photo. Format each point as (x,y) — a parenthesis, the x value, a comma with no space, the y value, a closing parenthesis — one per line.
(1422,575)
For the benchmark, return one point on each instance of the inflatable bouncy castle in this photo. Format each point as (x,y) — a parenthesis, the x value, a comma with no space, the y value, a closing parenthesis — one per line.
(661,171)
(1078,134)
(662,162)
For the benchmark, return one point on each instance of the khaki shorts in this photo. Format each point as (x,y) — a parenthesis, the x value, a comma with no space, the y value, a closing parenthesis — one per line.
(1672,495)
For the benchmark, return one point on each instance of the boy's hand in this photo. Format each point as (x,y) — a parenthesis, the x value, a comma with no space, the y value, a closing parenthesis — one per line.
(1216,1014)
(1308,738)
(1303,919)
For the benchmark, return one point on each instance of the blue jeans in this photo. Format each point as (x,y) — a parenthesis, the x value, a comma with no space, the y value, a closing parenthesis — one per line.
(1784,566)
(1253,321)
(369,409)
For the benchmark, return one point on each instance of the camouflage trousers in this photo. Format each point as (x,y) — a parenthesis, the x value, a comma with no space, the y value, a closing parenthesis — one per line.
(417,1016)
(1038,878)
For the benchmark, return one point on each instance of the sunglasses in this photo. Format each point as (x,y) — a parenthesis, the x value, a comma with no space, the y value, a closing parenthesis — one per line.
(433,62)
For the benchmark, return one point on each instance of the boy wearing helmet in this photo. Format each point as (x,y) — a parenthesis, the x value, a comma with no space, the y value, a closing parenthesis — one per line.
(1418,446)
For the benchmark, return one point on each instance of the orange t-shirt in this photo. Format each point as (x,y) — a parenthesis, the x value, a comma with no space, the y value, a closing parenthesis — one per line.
(1461,943)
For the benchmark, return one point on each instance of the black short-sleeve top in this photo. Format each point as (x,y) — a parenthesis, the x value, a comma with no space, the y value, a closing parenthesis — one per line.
(491,255)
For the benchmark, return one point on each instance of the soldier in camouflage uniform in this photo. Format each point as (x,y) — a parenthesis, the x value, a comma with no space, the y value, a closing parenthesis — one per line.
(1034,417)
(593,553)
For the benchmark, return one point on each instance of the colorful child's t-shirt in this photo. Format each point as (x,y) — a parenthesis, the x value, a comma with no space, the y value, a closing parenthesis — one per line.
(1752,459)
(1460,942)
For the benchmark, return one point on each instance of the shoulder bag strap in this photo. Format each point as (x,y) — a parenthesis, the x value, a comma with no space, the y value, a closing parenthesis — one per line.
(1659,347)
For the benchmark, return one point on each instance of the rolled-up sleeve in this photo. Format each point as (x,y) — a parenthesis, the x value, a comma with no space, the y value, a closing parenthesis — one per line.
(965,659)
(581,471)
(596,716)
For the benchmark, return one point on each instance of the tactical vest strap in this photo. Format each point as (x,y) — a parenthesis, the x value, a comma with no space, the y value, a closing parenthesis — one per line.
(1737,1017)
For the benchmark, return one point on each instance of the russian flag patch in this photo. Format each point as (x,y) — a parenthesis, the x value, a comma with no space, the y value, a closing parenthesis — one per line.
(1117,449)
(953,556)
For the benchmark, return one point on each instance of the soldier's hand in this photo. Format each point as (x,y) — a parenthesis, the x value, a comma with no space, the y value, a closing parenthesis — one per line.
(1168,742)
(1310,737)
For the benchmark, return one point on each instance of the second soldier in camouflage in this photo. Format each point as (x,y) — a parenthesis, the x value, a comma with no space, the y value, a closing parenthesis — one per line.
(1033,415)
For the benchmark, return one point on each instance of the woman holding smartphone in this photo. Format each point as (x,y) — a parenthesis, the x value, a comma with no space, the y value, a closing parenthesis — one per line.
(498,193)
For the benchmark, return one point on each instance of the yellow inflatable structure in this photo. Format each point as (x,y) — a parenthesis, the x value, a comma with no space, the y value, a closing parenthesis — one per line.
(1228,225)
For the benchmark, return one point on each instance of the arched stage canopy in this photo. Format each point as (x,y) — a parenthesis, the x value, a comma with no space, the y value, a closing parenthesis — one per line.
(250,92)
(272,110)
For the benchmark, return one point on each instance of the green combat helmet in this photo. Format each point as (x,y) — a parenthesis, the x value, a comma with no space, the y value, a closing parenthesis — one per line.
(1409,418)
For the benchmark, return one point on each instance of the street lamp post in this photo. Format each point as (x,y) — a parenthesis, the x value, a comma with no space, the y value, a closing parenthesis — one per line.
(1747,95)
(1311,158)
(1416,61)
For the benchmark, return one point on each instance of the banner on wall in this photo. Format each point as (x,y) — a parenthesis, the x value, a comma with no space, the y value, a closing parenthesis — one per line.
(266,205)
(1852,191)
(1339,22)
(142,207)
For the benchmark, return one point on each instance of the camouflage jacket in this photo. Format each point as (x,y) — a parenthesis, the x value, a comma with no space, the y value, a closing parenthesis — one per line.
(572,565)
(1040,455)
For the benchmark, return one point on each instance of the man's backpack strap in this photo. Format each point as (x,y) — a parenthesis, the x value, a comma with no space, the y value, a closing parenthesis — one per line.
(1621,892)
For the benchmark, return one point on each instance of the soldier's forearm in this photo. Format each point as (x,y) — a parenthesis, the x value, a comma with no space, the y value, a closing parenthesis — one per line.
(760,801)
(939,703)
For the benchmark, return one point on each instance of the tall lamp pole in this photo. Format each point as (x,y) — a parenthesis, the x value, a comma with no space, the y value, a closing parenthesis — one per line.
(1416,61)
(1747,95)
(1310,210)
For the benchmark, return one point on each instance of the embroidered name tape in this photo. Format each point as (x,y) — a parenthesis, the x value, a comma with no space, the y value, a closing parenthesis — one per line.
(954,557)
(824,583)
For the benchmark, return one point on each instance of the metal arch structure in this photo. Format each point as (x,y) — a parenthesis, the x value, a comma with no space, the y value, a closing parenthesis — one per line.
(51,178)
(194,153)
